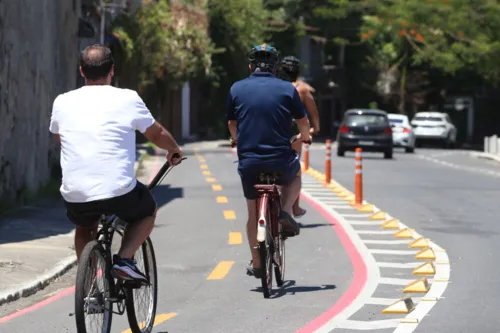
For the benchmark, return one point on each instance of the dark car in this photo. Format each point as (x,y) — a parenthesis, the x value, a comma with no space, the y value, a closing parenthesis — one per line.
(366,129)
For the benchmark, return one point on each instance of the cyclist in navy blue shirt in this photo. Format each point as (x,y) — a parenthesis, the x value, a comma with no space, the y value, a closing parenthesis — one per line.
(260,110)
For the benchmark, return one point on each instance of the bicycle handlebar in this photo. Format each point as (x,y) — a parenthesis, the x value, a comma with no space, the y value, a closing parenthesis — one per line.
(294,138)
(165,168)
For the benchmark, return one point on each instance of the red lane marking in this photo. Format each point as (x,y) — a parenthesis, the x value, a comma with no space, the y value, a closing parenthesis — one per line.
(359,267)
(37,306)
(62,293)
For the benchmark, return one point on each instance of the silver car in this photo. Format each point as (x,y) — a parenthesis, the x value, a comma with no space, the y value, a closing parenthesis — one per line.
(402,132)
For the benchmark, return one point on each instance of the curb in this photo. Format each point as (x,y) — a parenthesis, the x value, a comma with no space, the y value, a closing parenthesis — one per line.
(39,283)
(483,155)
(59,269)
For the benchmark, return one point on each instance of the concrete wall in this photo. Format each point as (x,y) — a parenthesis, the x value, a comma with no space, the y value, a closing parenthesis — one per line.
(38,57)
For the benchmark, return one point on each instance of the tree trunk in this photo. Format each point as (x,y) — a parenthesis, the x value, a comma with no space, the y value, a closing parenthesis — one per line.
(402,91)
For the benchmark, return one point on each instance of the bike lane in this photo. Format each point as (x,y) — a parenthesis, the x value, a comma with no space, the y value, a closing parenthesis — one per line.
(202,253)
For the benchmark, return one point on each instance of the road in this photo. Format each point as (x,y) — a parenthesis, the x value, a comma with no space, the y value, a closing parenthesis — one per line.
(446,196)
(452,199)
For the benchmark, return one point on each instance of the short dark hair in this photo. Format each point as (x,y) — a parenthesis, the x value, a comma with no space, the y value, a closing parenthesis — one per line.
(96,62)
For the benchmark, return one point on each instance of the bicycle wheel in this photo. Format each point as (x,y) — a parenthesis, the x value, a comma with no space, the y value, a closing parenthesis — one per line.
(141,301)
(92,312)
(279,256)
(266,259)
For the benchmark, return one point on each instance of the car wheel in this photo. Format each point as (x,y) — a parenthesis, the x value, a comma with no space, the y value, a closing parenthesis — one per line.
(340,151)
(409,149)
(388,154)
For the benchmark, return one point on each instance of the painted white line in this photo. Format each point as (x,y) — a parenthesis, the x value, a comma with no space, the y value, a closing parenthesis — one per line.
(371,223)
(395,281)
(394,252)
(398,265)
(369,325)
(347,206)
(386,242)
(357,215)
(371,266)
(375,232)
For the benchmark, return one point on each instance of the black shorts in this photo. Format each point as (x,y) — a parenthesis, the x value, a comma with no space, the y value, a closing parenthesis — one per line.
(130,207)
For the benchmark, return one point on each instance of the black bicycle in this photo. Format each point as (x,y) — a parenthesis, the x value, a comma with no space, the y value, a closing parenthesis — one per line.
(95,300)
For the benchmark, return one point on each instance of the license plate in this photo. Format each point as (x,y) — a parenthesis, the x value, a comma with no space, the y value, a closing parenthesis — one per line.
(367,143)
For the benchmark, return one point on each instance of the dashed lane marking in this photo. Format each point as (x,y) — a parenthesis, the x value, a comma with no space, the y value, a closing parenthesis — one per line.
(206,173)
(221,199)
(203,166)
(158,320)
(235,238)
(216,187)
(210,180)
(229,215)
(220,271)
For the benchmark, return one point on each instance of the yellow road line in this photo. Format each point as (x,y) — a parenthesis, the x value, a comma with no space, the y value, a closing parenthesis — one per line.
(216,187)
(207,173)
(210,180)
(235,238)
(229,215)
(201,159)
(221,199)
(220,271)
(203,166)
(158,320)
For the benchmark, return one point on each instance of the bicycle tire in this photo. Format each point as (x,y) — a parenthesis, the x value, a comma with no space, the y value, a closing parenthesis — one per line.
(279,267)
(138,325)
(83,271)
(266,259)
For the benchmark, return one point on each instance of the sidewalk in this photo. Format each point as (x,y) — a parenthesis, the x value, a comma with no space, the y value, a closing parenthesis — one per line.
(36,247)
(484,155)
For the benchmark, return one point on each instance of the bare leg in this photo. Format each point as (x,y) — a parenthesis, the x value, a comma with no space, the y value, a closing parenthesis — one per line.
(82,237)
(252,231)
(297,146)
(135,234)
(289,195)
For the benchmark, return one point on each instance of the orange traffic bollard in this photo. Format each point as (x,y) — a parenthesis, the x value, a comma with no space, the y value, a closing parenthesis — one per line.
(305,149)
(328,162)
(358,178)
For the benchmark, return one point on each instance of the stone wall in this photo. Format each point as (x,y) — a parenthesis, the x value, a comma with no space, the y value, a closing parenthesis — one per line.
(38,57)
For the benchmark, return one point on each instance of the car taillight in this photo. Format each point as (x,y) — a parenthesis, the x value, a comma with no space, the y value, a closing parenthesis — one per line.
(388,130)
(406,130)
(344,129)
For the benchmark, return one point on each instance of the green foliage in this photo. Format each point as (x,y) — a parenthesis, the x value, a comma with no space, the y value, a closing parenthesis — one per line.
(158,46)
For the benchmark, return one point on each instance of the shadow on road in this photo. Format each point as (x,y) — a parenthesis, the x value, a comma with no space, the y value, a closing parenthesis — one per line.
(290,288)
(49,219)
(313,225)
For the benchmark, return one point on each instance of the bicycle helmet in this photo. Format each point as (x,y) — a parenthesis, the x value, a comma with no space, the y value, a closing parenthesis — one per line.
(290,64)
(264,57)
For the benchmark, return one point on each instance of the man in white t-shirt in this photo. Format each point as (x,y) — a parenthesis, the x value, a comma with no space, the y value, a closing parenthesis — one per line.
(95,126)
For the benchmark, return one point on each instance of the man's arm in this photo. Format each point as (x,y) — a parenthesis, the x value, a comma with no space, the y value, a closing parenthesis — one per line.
(300,115)
(231,117)
(310,104)
(158,135)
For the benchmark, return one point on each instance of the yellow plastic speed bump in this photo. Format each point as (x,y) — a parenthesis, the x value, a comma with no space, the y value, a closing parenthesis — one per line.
(426,253)
(418,286)
(404,233)
(391,224)
(380,215)
(402,306)
(349,198)
(368,208)
(343,194)
(420,243)
(338,189)
(425,269)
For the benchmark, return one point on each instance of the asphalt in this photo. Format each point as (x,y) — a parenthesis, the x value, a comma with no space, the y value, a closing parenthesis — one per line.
(191,239)
(451,198)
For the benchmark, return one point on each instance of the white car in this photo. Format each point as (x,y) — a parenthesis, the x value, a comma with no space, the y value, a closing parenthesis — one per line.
(434,126)
(402,133)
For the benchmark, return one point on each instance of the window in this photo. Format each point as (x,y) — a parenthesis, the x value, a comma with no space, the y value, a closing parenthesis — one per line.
(396,120)
(366,119)
(423,118)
